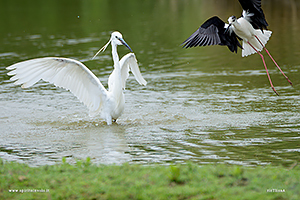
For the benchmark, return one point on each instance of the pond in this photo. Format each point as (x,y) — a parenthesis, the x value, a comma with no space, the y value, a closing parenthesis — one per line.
(204,104)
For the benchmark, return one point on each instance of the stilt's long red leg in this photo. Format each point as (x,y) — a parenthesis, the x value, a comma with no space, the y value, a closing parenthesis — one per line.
(274,61)
(262,57)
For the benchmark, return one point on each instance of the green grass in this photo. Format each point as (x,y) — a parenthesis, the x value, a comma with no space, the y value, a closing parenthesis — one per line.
(186,181)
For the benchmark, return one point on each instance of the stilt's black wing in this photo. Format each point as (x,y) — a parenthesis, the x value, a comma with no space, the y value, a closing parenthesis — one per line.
(213,32)
(254,13)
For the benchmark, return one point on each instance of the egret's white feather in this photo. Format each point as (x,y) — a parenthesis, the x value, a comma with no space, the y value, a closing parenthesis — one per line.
(102,49)
(129,63)
(66,73)
(74,76)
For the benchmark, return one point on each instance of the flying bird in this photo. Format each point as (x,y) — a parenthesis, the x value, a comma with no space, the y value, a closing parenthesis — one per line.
(74,76)
(251,28)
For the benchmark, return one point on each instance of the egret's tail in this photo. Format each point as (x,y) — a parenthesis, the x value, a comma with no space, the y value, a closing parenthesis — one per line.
(263,37)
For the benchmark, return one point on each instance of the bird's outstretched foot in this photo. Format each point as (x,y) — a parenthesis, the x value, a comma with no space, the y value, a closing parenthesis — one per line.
(275,91)
(290,82)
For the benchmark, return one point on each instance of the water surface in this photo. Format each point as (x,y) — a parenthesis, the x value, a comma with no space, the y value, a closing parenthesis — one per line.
(204,105)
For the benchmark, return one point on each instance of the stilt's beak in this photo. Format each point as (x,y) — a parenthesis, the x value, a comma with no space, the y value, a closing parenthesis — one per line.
(227,30)
(125,44)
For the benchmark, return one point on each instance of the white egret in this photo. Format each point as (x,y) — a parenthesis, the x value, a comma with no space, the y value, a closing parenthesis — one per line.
(249,28)
(74,76)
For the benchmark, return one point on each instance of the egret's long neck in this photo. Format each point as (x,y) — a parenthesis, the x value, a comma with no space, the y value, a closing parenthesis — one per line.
(115,86)
(115,56)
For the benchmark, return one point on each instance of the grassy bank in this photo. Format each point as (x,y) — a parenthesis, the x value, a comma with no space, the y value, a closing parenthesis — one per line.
(189,181)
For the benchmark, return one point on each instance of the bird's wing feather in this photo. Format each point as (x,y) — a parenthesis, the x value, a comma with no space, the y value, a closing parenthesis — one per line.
(254,14)
(213,32)
(67,73)
(251,5)
(206,35)
(230,39)
(129,63)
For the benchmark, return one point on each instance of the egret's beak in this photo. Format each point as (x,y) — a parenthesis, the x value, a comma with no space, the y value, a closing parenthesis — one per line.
(125,44)
(102,49)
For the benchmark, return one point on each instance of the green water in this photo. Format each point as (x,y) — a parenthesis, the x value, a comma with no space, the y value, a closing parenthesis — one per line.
(203,105)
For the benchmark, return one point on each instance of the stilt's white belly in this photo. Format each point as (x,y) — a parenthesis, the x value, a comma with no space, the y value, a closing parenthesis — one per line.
(243,29)
(253,40)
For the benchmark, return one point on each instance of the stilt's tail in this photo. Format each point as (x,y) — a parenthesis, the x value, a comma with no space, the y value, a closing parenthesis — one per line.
(263,37)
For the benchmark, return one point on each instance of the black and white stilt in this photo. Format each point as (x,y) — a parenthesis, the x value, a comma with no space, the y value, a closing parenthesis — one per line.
(250,28)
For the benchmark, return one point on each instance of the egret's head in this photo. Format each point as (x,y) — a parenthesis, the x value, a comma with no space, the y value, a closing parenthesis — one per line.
(232,19)
(116,39)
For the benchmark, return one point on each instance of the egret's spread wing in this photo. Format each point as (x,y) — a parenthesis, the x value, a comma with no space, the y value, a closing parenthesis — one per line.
(213,32)
(254,14)
(67,73)
(129,63)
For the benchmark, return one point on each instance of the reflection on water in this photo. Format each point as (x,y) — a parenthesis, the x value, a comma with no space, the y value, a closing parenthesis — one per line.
(203,104)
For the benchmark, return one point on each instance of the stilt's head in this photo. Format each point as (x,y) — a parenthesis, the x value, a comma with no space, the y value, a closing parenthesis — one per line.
(232,19)
(116,38)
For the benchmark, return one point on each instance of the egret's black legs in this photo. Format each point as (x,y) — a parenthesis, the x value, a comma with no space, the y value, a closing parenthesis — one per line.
(262,57)
(274,61)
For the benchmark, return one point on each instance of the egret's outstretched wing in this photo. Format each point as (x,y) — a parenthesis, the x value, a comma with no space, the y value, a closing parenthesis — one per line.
(129,62)
(67,73)
(254,14)
(213,32)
